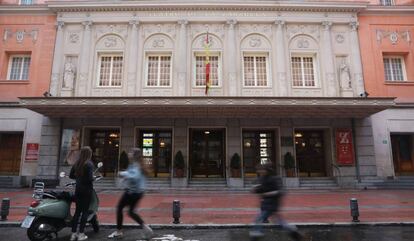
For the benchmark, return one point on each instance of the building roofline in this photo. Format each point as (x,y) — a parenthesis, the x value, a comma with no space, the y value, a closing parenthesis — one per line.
(247,5)
(378,9)
(24,9)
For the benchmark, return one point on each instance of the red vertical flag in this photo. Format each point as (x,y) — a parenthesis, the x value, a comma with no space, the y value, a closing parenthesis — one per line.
(207,49)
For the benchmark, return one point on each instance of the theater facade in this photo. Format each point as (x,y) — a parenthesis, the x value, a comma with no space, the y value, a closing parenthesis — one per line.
(285,87)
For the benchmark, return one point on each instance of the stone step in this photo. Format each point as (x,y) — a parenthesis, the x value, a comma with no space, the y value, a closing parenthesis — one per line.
(6,182)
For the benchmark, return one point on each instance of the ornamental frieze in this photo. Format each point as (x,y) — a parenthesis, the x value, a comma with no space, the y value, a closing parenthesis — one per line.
(121,30)
(393,36)
(150,29)
(296,29)
(264,29)
(216,29)
(20,35)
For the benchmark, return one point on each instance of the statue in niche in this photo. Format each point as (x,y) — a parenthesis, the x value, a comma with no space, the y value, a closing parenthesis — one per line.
(69,75)
(345,75)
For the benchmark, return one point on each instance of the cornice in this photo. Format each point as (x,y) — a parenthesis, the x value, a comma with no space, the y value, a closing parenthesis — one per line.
(159,5)
(25,9)
(388,10)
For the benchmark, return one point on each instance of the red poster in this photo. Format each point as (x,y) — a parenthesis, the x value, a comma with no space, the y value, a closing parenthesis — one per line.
(32,151)
(344,147)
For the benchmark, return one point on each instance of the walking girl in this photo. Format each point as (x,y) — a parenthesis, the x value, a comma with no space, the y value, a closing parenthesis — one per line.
(134,181)
(82,172)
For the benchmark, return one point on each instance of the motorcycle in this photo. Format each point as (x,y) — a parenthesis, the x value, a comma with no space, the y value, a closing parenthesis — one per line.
(49,213)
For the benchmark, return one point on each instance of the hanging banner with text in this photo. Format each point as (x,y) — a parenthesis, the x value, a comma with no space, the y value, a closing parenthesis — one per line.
(32,151)
(344,147)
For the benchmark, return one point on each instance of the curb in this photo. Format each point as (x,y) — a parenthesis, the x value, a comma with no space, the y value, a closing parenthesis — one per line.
(238,226)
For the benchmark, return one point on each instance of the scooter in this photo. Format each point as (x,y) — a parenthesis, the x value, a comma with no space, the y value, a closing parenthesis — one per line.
(50,211)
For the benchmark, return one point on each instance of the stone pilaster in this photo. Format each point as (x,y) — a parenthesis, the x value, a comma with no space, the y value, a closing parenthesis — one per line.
(328,60)
(356,64)
(84,60)
(232,59)
(181,64)
(132,58)
(55,82)
(280,59)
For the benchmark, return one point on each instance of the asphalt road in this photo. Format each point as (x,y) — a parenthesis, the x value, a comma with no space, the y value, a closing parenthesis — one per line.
(365,233)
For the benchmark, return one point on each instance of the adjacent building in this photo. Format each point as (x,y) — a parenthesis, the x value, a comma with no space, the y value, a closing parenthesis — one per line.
(387,50)
(26,51)
(285,78)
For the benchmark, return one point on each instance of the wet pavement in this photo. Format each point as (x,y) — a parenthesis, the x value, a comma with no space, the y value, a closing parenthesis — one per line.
(361,233)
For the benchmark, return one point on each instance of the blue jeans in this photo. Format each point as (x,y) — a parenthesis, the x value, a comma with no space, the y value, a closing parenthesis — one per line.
(265,214)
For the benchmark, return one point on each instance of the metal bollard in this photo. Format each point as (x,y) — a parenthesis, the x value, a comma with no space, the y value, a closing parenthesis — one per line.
(5,206)
(176,211)
(354,210)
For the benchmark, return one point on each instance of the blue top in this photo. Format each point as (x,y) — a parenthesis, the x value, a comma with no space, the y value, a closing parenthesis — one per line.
(133,178)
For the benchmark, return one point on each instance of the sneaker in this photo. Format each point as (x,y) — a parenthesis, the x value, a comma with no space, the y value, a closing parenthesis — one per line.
(82,237)
(116,234)
(73,237)
(148,231)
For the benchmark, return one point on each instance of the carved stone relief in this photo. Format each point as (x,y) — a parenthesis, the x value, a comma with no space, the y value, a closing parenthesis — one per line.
(111,42)
(73,37)
(20,35)
(214,29)
(339,38)
(69,74)
(150,29)
(200,42)
(344,72)
(264,29)
(294,29)
(255,41)
(393,36)
(158,41)
(121,30)
(303,42)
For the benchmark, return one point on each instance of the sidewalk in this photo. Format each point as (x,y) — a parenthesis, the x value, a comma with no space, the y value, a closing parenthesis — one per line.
(240,208)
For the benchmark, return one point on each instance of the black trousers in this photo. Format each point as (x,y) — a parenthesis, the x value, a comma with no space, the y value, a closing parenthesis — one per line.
(83,199)
(130,200)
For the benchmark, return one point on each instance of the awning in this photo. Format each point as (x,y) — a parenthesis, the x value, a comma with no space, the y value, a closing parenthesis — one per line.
(206,107)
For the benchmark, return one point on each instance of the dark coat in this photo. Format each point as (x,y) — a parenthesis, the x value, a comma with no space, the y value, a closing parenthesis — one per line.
(84,182)
(266,184)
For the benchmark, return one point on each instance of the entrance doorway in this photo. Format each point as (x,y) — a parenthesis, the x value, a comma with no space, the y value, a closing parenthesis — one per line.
(105,149)
(403,153)
(258,149)
(10,153)
(156,148)
(207,153)
(310,152)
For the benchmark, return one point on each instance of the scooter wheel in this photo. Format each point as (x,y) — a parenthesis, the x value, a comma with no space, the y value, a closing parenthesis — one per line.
(34,234)
(95,224)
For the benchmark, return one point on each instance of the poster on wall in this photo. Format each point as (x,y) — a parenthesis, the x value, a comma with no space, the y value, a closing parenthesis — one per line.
(69,151)
(32,151)
(344,147)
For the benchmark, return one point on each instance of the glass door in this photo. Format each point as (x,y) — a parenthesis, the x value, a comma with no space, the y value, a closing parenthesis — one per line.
(105,149)
(310,153)
(157,151)
(258,149)
(207,153)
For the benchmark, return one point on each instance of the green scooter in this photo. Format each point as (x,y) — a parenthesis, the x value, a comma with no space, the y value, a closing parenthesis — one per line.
(50,211)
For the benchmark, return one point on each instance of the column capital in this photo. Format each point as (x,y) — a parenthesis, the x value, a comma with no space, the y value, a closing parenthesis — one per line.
(354,25)
(327,25)
(182,22)
(59,25)
(87,24)
(231,22)
(133,22)
(280,22)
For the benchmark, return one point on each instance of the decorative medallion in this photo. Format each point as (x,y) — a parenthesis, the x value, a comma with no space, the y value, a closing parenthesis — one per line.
(158,43)
(255,42)
(20,36)
(302,43)
(393,36)
(73,38)
(339,38)
(110,42)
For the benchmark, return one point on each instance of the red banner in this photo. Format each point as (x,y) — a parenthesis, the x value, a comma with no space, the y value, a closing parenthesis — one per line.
(32,151)
(344,147)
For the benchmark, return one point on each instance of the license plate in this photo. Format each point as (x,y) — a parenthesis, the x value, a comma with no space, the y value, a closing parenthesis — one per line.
(27,222)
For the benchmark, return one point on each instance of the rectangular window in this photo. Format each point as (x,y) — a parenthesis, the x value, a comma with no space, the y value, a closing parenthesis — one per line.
(200,78)
(255,70)
(303,71)
(19,67)
(159,70)
(394,68)
(110,70)
(26,2)
(387,2)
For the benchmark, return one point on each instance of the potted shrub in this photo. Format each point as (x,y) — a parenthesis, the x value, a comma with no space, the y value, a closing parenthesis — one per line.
(235,165)
(289,164)
(179,164)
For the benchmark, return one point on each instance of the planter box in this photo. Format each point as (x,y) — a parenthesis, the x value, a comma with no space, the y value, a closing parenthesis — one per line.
(235,182)
(290,182)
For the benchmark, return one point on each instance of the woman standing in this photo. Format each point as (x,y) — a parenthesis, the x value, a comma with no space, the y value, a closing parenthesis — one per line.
(82,171)
(134,191)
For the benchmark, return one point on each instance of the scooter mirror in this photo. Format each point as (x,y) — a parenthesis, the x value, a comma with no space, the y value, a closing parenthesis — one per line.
(62,174)
(100,164)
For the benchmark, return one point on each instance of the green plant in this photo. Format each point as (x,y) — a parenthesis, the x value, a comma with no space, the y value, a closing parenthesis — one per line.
(179,160)
(289,161)
(235,162)
(123,161)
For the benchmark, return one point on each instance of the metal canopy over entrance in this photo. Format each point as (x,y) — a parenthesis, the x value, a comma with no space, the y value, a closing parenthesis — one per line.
(209,107)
